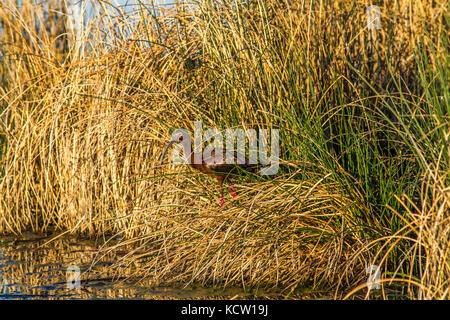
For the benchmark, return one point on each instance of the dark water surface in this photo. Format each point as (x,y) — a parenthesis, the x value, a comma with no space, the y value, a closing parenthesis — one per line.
(35,267)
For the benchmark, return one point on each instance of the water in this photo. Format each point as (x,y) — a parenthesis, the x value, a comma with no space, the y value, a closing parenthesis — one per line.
(33,267)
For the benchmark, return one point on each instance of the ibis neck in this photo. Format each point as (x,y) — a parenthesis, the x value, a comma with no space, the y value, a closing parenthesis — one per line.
(192,159)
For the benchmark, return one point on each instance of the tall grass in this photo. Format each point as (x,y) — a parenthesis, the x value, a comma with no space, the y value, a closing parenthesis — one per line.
(364,128)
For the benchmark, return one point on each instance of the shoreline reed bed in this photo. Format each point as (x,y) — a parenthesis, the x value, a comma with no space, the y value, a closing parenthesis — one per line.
(363,117)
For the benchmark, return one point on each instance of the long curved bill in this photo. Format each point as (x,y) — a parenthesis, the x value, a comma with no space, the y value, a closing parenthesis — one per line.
(167,148)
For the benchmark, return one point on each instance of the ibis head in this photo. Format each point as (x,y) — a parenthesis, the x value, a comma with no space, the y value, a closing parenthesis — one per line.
(176,137)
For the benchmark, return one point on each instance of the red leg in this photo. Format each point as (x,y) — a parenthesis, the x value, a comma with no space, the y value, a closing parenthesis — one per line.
(221,197)
(232,188)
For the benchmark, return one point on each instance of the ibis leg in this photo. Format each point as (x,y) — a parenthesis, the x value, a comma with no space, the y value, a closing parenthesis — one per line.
(232,188)
(221,197)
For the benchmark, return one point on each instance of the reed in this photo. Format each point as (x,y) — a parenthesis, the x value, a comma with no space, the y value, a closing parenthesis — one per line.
(364,128)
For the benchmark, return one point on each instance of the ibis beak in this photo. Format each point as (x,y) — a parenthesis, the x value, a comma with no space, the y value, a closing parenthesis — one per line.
(165,150)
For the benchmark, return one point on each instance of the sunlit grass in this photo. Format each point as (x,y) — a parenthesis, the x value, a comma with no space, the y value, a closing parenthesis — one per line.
(364,138)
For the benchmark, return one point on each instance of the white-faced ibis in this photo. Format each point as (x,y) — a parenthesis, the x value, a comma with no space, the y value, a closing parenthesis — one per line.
(217,168)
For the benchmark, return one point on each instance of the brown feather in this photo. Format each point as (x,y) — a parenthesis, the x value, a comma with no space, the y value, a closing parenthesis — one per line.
(221,170)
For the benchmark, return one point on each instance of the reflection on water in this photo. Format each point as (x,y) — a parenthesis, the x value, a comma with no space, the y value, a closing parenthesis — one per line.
(32,267)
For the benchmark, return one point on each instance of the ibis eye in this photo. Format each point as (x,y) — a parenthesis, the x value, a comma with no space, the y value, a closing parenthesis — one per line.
(180,138)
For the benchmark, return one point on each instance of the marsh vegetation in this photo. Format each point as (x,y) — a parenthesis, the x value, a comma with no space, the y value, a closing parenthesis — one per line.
(363,116)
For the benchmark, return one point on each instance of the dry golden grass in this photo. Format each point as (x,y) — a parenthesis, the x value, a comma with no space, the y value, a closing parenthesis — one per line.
(84,130)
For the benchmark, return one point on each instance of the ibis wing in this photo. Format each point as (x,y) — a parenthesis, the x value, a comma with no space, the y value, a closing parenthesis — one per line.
(219,164)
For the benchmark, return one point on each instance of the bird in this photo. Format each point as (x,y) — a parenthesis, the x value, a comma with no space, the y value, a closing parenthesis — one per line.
(219,170)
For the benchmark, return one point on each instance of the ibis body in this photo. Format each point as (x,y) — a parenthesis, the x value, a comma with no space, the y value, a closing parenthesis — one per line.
(215,167)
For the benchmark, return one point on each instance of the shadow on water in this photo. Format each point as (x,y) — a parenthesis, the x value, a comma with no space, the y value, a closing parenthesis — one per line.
(33,267)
